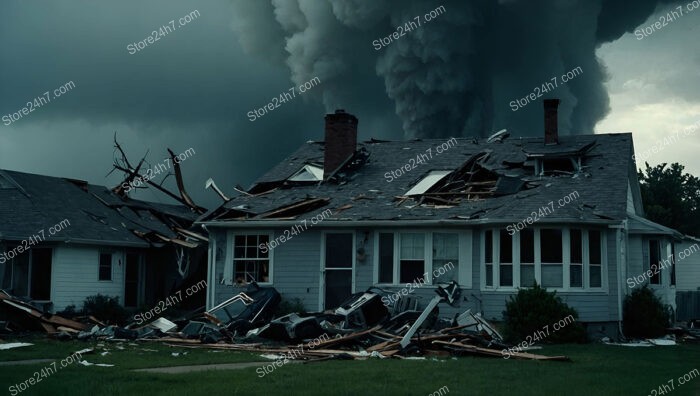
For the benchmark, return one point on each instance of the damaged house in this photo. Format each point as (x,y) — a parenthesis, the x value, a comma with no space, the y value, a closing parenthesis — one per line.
(62,240)
(340,216)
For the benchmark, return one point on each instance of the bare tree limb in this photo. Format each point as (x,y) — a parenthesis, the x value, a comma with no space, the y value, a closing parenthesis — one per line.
(178,179)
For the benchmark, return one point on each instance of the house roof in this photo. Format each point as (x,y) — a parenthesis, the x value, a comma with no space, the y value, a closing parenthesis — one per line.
(495,182)
(30,203)
(640,225)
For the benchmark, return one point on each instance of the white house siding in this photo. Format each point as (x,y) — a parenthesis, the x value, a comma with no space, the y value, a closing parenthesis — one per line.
(75,276)
(688,269)
(297,268)
(297,265)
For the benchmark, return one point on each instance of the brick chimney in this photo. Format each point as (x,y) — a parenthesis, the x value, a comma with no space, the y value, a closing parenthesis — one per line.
(551,130)
(341,141)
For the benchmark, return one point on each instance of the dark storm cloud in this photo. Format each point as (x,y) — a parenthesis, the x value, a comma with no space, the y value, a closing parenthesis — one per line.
(191,88)
(457,74)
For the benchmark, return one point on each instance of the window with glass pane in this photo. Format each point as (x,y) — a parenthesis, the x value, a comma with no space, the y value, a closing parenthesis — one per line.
(576,267)
(412,257)
(505,265)
(386,258)
(105,269)
(673,264)
(527,257)
(250,263)
(595,255)
(488,257)
(445,257)
(552,260)
(654,258)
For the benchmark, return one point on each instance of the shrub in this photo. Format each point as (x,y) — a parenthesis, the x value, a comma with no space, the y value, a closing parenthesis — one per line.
(68,312)
(105,308)
(294,305)
(643,314)
(532,310)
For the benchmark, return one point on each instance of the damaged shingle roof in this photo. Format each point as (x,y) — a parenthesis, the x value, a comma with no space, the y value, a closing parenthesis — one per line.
(30,203)
(365,192)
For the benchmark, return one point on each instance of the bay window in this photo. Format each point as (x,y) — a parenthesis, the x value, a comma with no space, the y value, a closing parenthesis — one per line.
(488,257)
(576,266)
(505,264)
(527,257)
(552,258)
(595,258)
(555,258)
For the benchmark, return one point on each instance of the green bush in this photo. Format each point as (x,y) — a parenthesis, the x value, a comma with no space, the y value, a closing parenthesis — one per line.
(643,314)
(68,312)
(534,310)
(286,307)
(105,308)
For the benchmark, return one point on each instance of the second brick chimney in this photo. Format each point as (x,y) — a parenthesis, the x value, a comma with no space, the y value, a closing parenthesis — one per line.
(341,141)
(551,128)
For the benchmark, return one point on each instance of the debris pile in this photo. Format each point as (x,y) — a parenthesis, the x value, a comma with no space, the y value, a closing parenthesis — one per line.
(361,327)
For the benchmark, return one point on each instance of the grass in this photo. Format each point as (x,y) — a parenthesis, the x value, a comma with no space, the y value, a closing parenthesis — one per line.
(596,370)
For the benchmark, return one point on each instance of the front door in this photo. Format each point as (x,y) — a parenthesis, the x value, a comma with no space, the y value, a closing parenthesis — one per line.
(131,280)
(338,270)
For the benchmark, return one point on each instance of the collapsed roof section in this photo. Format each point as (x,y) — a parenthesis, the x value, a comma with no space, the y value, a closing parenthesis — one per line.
(502,180)
(497,180)
(97,215)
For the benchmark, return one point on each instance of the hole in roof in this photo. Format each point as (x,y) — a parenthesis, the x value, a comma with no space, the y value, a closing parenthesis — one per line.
(561,165)
(309,172)
(428,181)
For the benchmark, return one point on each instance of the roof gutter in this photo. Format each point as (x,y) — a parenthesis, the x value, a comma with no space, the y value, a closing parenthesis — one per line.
(107,243)
(389,223)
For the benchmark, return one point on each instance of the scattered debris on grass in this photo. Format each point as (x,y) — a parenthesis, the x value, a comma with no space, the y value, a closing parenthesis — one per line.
(360,328)
(11,345)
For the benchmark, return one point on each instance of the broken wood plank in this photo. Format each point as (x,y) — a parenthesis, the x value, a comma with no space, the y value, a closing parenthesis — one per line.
(346,338)
(497,353)
(298,208)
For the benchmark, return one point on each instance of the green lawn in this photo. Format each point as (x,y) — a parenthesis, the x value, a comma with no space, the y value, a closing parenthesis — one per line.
(596,370)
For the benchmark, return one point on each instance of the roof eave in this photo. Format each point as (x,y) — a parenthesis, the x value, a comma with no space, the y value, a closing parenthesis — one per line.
(395,223)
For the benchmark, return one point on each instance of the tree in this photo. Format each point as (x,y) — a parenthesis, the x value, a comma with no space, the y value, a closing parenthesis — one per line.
(671,197)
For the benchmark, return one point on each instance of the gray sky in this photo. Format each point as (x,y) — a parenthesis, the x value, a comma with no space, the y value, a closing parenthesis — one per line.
(193,87)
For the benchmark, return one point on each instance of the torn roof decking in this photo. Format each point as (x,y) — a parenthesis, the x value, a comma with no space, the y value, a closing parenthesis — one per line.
(96,215)
(601,185)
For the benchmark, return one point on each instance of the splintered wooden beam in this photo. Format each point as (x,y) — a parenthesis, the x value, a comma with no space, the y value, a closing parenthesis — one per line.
(298,208)
(180,183)
(496,353)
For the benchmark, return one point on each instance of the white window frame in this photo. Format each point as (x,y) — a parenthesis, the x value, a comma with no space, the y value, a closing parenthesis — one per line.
(111,265)
(465,244)
(566,261)
(229,266)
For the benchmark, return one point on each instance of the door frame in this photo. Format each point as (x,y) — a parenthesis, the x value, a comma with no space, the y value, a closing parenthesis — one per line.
(141,274)
(322,269)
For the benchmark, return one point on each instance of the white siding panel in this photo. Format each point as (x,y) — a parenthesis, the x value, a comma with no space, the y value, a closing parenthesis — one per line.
(75,276)
(688,269)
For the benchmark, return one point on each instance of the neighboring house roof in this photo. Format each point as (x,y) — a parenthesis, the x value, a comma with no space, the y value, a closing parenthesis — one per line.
(30,203)
(489,183)
(640,225)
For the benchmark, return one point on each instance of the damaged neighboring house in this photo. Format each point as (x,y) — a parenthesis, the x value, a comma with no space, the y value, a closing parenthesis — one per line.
(85,239)
(460,214)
